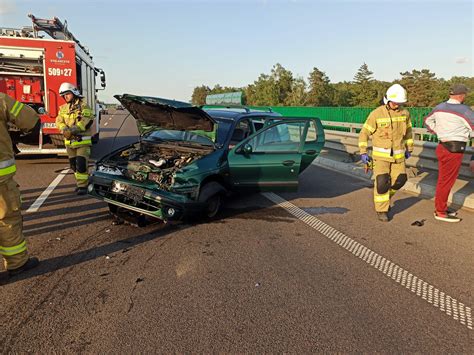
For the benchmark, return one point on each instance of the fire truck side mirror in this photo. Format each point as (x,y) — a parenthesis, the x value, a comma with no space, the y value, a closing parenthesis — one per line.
(102,77)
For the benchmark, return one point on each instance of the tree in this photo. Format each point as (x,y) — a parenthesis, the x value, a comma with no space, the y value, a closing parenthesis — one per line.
(199,95)
(421,86)
(365,89)
(283,80)
(263,91)
(343,93)
(320,91)
(297,96)
(363,75)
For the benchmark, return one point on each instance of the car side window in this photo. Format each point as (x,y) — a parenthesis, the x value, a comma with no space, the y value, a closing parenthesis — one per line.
(284,137)
(241,131)
(258,123)
(312,134)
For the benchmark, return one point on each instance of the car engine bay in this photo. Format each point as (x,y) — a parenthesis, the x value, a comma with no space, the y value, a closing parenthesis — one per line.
(151,162)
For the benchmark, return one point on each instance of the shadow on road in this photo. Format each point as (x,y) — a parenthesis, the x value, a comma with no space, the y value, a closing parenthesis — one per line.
(75,258)
(61,212)
(30,191)
(66,223)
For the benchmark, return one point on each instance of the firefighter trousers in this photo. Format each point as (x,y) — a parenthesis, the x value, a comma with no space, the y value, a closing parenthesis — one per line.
(12,242)
(79,162)
(389,177)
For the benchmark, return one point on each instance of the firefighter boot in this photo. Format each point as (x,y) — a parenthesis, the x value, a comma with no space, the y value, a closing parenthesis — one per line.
(382,216)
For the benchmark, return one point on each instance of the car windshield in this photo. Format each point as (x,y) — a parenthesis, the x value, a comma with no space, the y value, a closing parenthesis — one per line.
(175,136)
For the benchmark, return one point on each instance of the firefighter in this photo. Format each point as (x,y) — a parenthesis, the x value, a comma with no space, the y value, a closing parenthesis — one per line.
(12,242)
(74,120)
(390,127)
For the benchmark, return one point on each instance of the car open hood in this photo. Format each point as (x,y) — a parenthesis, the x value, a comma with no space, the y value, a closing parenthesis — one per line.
(152,113)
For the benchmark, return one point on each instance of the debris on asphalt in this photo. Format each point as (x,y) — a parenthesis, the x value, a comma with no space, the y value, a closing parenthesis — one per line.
(104,274)
(117,222)
(107,257)
(139,280)
(258,284)
(419,223)
(107,231)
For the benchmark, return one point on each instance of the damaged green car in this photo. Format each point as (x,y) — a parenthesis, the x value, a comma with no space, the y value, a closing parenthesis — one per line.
(189,158)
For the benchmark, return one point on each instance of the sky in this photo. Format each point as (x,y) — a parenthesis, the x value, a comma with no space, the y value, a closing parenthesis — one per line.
(166,48)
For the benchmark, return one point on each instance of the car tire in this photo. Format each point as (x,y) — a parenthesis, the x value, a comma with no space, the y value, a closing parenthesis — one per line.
(211,194)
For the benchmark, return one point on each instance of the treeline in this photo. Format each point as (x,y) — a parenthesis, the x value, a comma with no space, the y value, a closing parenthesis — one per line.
(281,88)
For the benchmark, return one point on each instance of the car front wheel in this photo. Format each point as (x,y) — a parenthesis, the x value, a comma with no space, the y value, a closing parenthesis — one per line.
(211,194)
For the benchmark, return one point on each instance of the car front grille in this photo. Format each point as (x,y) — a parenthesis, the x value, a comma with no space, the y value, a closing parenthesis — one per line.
(145,203)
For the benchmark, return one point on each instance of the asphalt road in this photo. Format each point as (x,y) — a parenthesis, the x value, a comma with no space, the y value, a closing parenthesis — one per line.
(261,278)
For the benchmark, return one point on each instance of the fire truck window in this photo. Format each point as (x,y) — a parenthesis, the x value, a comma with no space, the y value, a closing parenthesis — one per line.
(79,75)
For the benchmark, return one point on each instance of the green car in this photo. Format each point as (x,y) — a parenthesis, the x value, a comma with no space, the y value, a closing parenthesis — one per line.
(189,158)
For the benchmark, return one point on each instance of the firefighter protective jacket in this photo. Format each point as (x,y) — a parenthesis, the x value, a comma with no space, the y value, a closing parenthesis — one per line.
(77,114)
(24,118)
(391,132)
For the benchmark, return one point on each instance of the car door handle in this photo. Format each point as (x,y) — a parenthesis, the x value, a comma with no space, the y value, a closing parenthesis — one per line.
(288,162)
(310,152)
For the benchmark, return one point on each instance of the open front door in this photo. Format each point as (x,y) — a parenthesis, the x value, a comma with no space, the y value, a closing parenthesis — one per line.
(313,144)
(270,159)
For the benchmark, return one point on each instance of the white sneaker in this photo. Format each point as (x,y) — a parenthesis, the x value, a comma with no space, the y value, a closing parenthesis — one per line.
(446,217)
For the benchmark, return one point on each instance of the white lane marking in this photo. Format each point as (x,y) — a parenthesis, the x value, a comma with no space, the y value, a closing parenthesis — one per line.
(445,303)
(44,195)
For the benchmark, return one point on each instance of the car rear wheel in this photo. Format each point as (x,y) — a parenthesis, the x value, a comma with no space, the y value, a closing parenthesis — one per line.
(211,194)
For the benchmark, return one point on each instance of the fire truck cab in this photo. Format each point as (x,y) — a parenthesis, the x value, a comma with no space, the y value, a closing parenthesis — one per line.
(33,67)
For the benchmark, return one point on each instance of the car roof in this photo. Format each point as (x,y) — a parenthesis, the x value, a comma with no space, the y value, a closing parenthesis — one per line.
(237,114)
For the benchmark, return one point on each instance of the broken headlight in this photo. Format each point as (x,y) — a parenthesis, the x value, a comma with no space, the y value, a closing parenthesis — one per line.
(119,187)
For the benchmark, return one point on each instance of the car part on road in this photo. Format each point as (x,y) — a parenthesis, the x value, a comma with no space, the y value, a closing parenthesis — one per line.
(420,223)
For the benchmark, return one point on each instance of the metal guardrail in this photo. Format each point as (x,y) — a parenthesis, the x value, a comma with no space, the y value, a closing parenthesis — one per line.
(423,157)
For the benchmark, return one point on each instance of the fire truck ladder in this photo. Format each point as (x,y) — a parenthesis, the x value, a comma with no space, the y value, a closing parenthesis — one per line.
(54,28)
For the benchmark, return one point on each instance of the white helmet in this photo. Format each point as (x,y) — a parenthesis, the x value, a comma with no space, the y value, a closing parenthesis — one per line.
(395,93)
(68,87)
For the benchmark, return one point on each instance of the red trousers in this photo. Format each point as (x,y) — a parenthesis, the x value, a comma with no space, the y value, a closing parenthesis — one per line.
(448,170)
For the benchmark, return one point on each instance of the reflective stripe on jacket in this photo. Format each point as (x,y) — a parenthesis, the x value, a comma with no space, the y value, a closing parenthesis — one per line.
(7,167)
(391,133)
(85,140)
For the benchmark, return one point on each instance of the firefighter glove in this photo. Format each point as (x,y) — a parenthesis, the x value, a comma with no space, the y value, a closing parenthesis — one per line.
(407,154)
(67,133)
(74,130)
(365,158)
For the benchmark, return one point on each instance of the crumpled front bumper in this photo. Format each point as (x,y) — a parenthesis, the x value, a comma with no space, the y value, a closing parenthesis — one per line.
(155,203)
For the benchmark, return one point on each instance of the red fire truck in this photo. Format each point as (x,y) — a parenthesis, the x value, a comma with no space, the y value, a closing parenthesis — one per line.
(33,66)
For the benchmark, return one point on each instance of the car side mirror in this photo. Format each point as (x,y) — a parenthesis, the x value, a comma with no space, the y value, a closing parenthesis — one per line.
(247,149)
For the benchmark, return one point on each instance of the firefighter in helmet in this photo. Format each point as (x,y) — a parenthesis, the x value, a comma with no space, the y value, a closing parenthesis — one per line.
(74,120)
(12,242)
(390,127)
